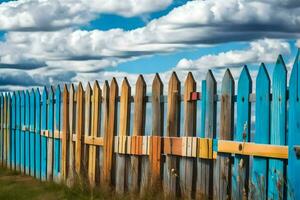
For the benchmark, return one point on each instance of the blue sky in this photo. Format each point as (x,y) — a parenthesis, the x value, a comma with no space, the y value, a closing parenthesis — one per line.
(53,42)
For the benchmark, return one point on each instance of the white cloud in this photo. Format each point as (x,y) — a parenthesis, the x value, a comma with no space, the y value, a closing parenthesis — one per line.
(56,14)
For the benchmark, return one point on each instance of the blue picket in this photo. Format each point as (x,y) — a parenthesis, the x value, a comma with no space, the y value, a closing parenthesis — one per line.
(294,132)
(240,166)
(13,132)
(278,129)
(2,128)
(27,141)
(22,140)
(259,171)
(44,139)
(32,133)
(50,137)
(37,134)
(18,131)
(57,144)
(8,129)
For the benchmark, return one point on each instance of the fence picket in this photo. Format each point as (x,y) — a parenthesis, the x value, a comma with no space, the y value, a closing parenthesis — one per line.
(278,129)
(2,127)
(65,135)
(13,132)
(27,133)
(87,125)
(22,141)
(123,161)
(5,131)
(171,168)
(222,166)
(32,132)
(50,152)
(44,139)
(258,174)
(37,134)
(56,135)
(241,163)
(18,130)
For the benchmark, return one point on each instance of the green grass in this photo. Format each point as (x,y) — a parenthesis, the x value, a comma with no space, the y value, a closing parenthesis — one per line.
(14,186)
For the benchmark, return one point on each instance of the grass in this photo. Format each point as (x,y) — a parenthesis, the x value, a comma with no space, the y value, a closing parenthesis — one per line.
(14,186)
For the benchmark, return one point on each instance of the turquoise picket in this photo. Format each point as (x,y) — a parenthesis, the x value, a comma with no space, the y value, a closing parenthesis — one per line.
(8,128)
(13,132)
(1,133)
(18,130)
(27,141)
(44,140)
(240,166)
(259,171)
(294,132)
(32,133)
(22,140)
(57,145)
(278,129)
(50,137)
(37,134)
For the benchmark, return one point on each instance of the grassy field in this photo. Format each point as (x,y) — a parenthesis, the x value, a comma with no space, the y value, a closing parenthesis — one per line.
(14,186)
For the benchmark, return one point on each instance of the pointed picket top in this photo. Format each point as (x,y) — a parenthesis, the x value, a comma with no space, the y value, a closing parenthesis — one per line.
(57,90)
(174,80)
(45,93)
(157,84)
(80,88)
(125,85)
(245,79)
(37,93)
(280,68)
(65,88)
(32,92)
(262,76)
(96,88)
(189,86)
(72,89)
(27,97)
(140,81)
(210,78)
(114,87)
(88,90)
(51,92)
(227,79)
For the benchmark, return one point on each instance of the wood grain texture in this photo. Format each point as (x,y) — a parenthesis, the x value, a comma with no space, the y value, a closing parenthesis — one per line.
(87,125)
(65,135)
(278,130)
(258,173)
(241,163)
(205,167)
(50,136)
(123,161)
(57,140)
(2,127)
(222,166)
(79,130)
(108,147)
(96,110)
(171,168)
(294,131)
(188,165)
(157,130)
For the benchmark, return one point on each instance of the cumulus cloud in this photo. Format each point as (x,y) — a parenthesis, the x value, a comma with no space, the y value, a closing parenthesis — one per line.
(49,15)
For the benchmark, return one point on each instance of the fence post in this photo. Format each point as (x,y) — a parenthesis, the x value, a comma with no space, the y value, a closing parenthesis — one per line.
(278,130)
(123,161)
(171,169)
(38,134)
(294,131)
(110,132)
(241,163)
(222,166)
(32,133)
(187,175)
(79,130)
(258,173)
(44,139)
(157,130)
(93,153)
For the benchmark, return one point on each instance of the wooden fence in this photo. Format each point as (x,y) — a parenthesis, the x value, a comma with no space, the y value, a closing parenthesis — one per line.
(60,135)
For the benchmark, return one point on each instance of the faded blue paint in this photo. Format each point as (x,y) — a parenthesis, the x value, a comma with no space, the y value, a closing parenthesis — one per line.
(294,131)
(51,129)
(18,130)
(22,140)
(57,144)
(32,133)
(1,134)
(38,134)
(44,139)
(276,172)
(259,171)
(242,133)
(27,141)
(203,109)
(13,132)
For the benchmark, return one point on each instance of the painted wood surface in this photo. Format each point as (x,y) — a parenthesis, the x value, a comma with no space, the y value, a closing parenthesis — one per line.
(18,130)
(32,134)
(22,142)
(278,129)
(27,133)
(13,132)
(38,117)
(51,133)
(87,125)
(2,127)
(57,142)
(65,135)
(44,139)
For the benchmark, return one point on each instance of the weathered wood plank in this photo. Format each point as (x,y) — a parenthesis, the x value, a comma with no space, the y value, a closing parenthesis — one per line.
(139,166)
(171,168)
(87,125)
(27,138)
(108,147)
(2,128)
(38,134)
(222,166)
(204,189)
(276,181)
(44,140)
(50,136)
(157,130)
(187,175)
(32,133)
(294,131)
(65,135)
(57,142)
(258,174)
(241,163)
(96,111)
(79,130)
(123,161)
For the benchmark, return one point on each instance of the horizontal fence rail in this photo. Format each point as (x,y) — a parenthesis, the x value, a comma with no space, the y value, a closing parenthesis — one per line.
(64,134)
